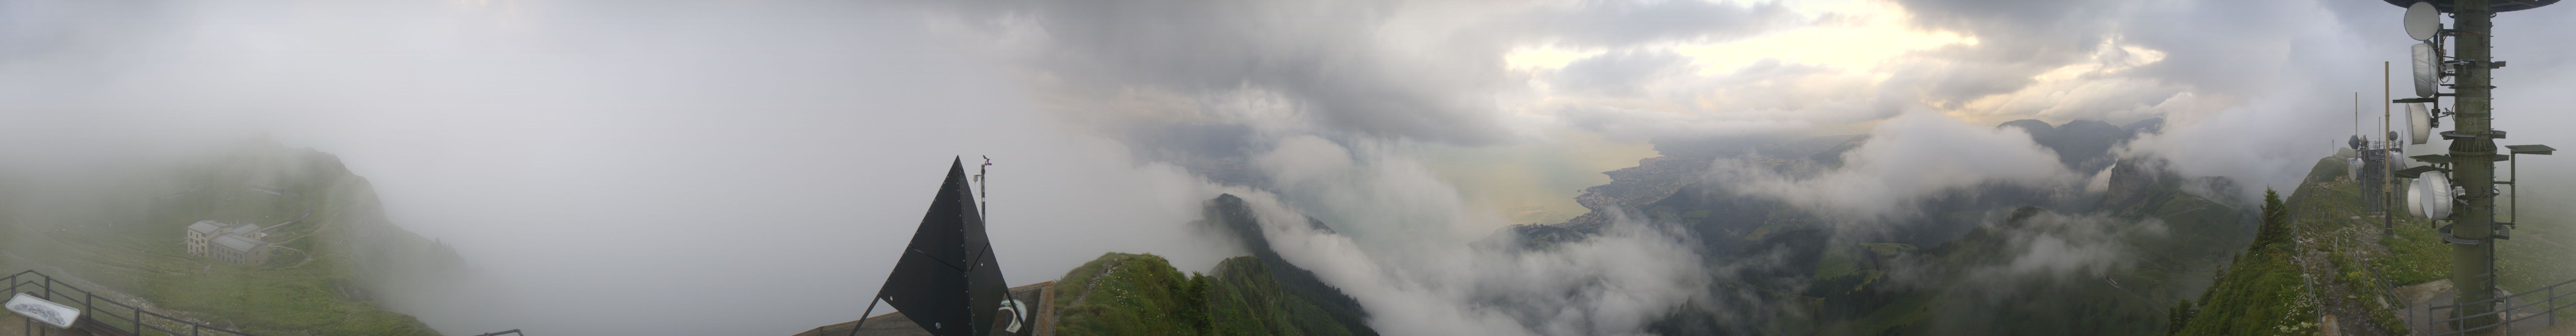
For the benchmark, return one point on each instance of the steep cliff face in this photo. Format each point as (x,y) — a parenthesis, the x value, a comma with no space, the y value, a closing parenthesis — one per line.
(335,262)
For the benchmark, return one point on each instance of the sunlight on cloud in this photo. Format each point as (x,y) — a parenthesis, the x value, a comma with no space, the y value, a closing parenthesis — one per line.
(1863,34)
(2089,89)
(1544,58)
(2112,57)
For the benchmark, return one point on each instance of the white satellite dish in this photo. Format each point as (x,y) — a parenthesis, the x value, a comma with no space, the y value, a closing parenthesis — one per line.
(2396,158)
(2419,123)
(2422,20)
(2431,196)
(2428,71)
(2415,198)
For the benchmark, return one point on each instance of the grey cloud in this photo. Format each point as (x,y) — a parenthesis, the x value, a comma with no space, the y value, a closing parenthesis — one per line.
(1421,70)
(1615,23)
(1906,161)
(1766,97)
(1328,57)
(2227,47)
(579,153)
(1425,262)
(2054,245)
(1621,73)
(2007,16)
(2016,39)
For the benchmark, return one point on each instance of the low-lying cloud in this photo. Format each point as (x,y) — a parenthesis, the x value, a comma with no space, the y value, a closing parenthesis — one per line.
(1907,159)
(1425,262)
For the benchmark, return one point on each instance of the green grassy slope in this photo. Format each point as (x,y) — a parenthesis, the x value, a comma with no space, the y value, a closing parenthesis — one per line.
(1243,299)
(2262,293)
(126,237)
(1129,294)
(1141,294)
(2267,290)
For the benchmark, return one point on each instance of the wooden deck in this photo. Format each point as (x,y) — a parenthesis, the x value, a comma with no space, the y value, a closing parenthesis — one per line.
(894,324)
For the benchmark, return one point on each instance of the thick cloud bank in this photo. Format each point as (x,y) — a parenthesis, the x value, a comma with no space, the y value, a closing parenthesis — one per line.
(1906,159)
(582,152)
(1424,263)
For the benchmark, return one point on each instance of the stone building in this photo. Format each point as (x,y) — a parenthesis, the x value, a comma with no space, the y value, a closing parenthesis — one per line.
(233,243)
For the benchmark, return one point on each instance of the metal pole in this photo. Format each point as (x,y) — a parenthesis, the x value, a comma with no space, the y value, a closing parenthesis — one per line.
(863,316)
(2473,265)
(2387,172)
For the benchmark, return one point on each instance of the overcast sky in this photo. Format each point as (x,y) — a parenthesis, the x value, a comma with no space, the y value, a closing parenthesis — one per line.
(718,167)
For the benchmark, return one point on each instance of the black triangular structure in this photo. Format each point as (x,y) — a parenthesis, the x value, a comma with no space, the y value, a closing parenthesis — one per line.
(948,280)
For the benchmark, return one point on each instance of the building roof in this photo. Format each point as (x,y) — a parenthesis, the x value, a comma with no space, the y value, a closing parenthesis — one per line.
(206,226)
(237,242)
(246,228)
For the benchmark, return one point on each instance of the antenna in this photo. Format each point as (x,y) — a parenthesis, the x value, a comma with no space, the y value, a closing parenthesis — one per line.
(2431,196)
(983,208)
(2428,71)
(2387,172)
(2497,6)
(2422,20)
(2471,165)
(2419,123)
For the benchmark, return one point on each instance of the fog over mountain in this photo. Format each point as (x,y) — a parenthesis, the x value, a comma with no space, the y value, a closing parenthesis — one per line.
(750,167)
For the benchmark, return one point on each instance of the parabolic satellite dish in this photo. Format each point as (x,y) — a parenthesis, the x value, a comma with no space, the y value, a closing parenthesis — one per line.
(2428,71)
(2499,6)
(2430,197)
(2415,197)
(2422,20)
(2419,123)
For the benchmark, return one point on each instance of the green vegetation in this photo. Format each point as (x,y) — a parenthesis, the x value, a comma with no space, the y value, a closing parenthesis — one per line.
(1141,294)
(1128,294)
(2262,293)
(1839,261)
(1245,300)
(2416,254)
(2352,265)
(126,237)
(2170,243)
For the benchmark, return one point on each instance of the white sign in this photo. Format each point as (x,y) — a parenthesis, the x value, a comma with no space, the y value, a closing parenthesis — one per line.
(56,314)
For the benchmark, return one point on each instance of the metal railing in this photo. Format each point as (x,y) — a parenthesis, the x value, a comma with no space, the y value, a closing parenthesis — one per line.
(2516,310)
(117,317)
(131,321)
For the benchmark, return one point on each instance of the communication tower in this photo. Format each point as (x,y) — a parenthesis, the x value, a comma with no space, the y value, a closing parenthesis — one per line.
(2460,187)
